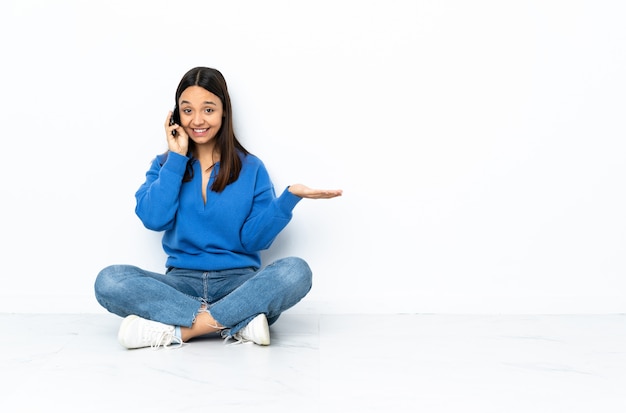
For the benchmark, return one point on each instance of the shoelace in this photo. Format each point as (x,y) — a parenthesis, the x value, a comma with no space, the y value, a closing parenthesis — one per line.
(237,337)
(166,340)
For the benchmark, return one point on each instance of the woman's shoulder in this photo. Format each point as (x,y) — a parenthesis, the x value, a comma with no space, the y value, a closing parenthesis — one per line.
(251,160)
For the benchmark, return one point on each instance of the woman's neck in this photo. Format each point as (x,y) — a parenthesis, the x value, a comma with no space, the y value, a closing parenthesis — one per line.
(207,155)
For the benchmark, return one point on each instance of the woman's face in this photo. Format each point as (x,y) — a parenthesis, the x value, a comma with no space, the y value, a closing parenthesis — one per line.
(200,114)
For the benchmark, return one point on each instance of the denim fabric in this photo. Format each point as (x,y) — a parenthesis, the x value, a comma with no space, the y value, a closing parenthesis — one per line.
(234,297)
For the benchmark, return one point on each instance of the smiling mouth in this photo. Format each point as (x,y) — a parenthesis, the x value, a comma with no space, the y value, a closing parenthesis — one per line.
(200,130)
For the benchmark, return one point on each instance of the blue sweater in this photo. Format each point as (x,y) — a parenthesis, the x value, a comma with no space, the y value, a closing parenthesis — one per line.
(229,231)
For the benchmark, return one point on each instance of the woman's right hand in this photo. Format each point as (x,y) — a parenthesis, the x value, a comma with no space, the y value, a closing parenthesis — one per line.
(179,142)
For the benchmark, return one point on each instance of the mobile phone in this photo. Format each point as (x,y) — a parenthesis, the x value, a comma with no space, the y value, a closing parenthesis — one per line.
(173,119)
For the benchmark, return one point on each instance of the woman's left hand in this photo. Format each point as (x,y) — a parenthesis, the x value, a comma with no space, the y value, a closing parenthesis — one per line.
(305,192)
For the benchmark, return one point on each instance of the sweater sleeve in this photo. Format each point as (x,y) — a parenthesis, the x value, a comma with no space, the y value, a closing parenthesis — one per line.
(157,198)
(269,214)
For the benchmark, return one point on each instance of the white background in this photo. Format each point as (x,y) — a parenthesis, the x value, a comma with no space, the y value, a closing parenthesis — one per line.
(480,144)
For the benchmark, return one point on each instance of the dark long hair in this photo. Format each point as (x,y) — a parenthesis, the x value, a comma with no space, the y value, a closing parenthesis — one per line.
(230,164)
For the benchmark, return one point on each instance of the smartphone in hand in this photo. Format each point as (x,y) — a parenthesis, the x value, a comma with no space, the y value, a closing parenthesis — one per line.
(172,122)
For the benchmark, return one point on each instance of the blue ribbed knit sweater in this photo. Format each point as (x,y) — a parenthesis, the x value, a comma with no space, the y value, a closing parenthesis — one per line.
(229,231)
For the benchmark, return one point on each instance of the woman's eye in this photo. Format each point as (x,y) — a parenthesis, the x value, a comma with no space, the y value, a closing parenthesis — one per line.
(209,110)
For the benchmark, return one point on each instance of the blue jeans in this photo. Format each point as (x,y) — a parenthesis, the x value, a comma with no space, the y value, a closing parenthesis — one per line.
(233,297)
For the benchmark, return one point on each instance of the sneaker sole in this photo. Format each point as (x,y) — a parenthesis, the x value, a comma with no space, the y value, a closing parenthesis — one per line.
(125,323)
(261,330)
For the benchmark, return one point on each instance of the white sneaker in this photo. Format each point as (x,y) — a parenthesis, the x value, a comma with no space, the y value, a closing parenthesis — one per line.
(257,331)
(137,332)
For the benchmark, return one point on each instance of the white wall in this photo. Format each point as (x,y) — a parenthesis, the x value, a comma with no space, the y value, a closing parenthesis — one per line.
(480,144)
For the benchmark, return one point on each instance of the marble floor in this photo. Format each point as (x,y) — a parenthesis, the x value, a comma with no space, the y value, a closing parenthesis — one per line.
(323,363)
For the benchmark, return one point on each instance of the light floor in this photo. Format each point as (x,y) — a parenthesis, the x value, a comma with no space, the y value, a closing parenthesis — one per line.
(323,363)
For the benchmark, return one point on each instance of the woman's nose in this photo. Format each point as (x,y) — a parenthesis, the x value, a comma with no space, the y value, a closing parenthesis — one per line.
(197,119)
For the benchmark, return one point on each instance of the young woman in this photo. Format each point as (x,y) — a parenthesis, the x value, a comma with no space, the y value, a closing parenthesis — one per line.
(216,206)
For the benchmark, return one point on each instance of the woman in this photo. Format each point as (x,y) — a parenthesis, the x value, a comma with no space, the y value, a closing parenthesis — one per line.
(217,209)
